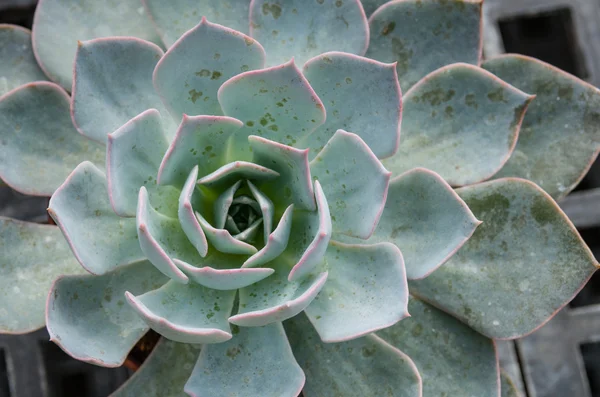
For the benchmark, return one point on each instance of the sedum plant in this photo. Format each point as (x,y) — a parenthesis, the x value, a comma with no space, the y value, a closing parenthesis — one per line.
(247,194)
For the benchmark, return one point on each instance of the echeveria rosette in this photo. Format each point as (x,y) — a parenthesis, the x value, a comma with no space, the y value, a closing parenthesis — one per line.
(175,240)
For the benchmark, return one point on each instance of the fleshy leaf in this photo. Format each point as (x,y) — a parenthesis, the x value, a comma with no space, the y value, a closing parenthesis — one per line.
(275,298)
(31,257)
(361,95)
(276,103)
(229,173)
(453,359)
(250,232)
(88,318)
(419,206)
(361,367)
(164,372)
(507,386)
(522,264)
(134,152)
(221,271)
(58,24)
(187,218)
(222,240)
(294,184)
(258,361)
(422,36)
(191,72)
(560,135)
(17,63)
(318,228)
(200,140)
(222,205)
(113,83)
(355,184)
(266,208)
(366,291)
(276,242)
(304,29)
(174,18)
(39,146)
(100,239)
(187,313)
(162,239)
(461,122)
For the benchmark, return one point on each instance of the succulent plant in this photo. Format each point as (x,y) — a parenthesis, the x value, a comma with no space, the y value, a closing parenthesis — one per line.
(264,218)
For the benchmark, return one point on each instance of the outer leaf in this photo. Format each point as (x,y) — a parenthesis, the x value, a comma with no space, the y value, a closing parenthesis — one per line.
(100,239)
(508,387)
(560,136)
(221,271)
(186,313)
(134,152)
(164,372)
(294,184)
(355,183)
(276,103)
(460,122)
(304,29)
(361,367)
(362,96)
(453,359)
(191,72)
(276,242)
(257,362)
(523,264)
(31,257)
(316,228)
(419,206)
(39,146)
(276,299)
(187,217)
(87,316)
(17,63)
(366,291)
(200,140)
(174,18)
(424,35)
(58,24)
(112,83)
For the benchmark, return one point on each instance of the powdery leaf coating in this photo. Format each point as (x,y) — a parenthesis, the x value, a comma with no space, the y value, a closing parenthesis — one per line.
(100,239)
(355,184)
(134,152)
(276,299)
(560,135)
(59,24)
(27,272)
(17,63)
(174,18)
(366,290)
(453,359)
(426,219)
(187,313)
(522,264)
(461,122)
(276,103)
(39,146)
(258,361)
(424,35)
(304,29)
(164,373)
(201,141)
(191,72)
(112,83)
(88,318)
(361,96)
(366,366)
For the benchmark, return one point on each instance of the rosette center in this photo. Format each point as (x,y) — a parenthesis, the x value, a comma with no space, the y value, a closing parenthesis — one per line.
(243,218)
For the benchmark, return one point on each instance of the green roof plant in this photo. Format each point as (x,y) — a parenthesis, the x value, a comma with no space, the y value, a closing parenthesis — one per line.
(329,197)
